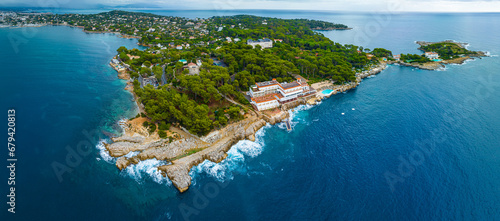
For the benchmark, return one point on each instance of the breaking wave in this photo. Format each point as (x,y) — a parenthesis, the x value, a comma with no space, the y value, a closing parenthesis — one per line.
(103,152)
(149,168)
(234,163)
(235,160)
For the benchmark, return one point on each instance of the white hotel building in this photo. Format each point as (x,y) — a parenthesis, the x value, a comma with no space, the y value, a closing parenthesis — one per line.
(272,94)
(264,43)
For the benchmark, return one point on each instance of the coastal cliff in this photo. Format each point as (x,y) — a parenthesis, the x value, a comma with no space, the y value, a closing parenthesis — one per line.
(186,150)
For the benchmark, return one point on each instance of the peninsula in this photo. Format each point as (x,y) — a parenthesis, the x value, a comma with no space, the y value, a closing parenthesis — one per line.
(437,54)
(202,85)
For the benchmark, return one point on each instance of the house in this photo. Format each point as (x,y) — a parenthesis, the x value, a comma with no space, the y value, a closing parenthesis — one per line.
(178,47)
(236,39)
(271,94)
(397,57)
(278,40)
(264,43)
(193,68)
(431,55)
(148,81)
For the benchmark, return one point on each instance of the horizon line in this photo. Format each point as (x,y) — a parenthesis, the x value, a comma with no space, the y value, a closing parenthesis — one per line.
(124,8)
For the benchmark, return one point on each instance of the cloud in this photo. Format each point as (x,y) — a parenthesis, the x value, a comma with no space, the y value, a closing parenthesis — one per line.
(333,5)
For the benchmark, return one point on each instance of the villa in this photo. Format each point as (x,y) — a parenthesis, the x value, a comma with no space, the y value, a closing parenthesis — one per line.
(193,68)
(272,94)
(148,81)
(264,43)
(431,55)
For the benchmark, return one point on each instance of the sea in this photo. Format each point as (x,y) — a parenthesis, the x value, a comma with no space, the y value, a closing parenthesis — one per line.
(407,144)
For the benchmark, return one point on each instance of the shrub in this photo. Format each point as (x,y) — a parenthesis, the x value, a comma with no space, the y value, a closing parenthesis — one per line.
(152,128)
(162,134)
(164,126)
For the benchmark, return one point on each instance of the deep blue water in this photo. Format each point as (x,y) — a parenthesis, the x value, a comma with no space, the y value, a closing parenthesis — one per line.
(435,133)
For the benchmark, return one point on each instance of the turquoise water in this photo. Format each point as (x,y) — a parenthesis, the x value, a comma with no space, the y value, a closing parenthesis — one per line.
(435,134)
(436,60)
(326,92)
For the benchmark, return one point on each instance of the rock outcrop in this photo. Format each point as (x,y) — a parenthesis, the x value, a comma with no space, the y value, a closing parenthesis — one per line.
(178,171)
(184,152)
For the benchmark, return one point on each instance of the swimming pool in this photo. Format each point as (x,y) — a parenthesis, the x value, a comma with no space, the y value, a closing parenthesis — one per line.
(437,60)
(327,91)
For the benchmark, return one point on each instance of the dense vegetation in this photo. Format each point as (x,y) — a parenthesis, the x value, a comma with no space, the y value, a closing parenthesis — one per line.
(204,101)
(381,52)
(198,103)
(410,58)
(447,50)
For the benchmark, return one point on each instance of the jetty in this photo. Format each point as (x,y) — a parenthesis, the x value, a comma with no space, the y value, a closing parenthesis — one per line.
(288,126)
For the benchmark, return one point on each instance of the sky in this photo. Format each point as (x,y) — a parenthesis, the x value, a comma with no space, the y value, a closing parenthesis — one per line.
(328,5)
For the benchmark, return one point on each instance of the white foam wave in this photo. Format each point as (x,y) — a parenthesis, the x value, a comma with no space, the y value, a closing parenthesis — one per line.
(149,168)
(487,53)
(235,159)
(132,154)
(104,152)
(442,69)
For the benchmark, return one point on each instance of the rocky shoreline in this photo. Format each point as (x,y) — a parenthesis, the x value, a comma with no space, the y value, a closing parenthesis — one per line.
(183,150)
(73,26)
(330,29)
(213,146)
(435,65)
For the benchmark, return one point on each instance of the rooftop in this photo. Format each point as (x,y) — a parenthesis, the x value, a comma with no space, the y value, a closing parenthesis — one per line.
(266,98)
(259,41)
(290,85)
(266,83)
